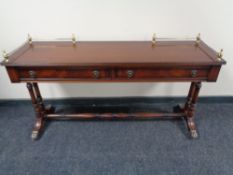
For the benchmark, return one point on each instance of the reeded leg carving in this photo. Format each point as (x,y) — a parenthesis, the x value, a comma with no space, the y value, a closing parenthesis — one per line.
(39,109)
(189,108)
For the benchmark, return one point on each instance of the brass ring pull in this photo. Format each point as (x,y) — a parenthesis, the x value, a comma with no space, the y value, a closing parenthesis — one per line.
(130,73)
(96,73)
(194,73)
(32,74)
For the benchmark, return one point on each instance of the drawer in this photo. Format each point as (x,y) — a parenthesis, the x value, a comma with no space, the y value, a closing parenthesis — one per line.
(162,73)
(59,73)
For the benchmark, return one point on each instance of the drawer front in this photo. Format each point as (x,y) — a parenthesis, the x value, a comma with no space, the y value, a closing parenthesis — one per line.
(64,74)
(114,74)
(163,74)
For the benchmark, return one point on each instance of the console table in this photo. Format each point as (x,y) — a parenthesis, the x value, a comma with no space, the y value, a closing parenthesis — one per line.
(113,61)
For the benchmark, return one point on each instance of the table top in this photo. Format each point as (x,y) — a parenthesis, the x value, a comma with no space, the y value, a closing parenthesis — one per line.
(84,53)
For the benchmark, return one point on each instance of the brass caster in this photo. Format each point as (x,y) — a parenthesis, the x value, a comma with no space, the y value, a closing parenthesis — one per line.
(35,135)
(194,134)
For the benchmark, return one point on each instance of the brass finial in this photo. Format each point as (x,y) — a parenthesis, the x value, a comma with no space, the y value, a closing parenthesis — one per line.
(220,55)
(154,39)
(5,56)
(73,39)
(198,38)
(29,39)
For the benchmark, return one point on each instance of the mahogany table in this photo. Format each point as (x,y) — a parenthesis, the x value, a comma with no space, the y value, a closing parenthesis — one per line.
(113,61)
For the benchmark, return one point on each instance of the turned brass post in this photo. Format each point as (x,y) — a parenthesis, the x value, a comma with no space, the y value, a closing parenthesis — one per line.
(154,39)
(29,40)
(198,38)
(73,39)
(220,55)
(5,56)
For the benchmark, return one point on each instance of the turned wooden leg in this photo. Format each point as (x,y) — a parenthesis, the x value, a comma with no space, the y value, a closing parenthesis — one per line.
(38,96)
(181,108)
(189,108)
(190,96)
(46,109)
(39,109)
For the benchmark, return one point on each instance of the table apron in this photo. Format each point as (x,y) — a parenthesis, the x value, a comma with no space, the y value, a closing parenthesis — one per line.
(100,74)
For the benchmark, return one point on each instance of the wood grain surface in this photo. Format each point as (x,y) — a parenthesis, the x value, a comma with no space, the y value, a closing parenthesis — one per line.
(113,53)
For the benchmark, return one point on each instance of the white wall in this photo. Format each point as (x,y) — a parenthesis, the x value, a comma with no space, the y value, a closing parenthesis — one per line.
(117,20)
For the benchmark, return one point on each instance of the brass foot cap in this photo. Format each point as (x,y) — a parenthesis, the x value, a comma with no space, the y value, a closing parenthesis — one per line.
(34,135)
(194,134)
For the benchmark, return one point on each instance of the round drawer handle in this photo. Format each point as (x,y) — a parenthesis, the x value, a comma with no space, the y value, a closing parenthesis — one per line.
(194,73)
(96,73)
(130,73)
(32,74)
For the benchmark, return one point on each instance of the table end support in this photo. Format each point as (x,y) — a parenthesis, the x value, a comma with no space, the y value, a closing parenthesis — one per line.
(189,108)
(39,108)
